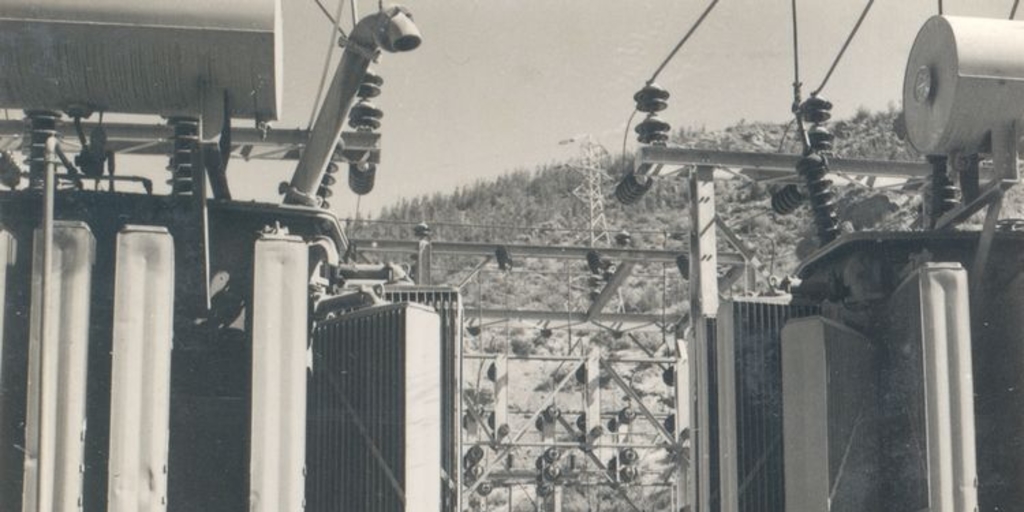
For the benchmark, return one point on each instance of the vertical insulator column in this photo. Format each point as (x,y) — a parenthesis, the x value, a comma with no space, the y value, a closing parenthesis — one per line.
(183,159)
(652,130)
(813,167)
(365,117)
(943,191)
(40,125)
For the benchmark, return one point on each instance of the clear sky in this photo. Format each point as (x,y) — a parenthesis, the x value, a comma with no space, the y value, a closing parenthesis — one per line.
(498,83)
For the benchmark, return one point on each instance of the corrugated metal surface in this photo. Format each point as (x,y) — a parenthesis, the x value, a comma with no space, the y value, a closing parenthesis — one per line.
(374,427)
(930,340)
(279,349)
(831,417)
(447,302)
(56,404)
(142,57)
(141,370)
(748,364)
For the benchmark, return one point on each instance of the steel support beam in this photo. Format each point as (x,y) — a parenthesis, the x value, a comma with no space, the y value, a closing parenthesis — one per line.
(533,251)
(775,162)
(621,274)
(703,308)
(155,139)
(610,321)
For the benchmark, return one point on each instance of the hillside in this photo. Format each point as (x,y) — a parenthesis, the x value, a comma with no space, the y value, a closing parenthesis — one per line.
(537,207)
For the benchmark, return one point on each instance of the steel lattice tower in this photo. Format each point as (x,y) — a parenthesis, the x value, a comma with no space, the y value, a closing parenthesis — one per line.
(591,190)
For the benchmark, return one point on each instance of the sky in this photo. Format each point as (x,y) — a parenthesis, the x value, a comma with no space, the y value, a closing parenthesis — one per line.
(497,84)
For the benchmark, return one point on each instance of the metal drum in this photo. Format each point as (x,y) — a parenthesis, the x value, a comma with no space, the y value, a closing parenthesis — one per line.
(141,57)
(964,78)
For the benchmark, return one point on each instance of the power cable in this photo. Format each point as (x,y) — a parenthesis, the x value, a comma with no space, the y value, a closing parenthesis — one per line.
(846,45)
(327,62)
(664,63)
(1013,11)
(940,7)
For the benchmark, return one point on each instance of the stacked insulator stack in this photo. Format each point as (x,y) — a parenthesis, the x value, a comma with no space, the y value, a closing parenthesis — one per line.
(472,463)
(787,199)
(944,193)
(631,189)
(813,167)
(10,173)
(652,130)
(183,159)
(324,191)
(549,471)
(365,117)
(40,125)
(651,100)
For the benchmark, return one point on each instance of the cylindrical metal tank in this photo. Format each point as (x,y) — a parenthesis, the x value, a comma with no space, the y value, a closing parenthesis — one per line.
(964,77)
(141,57)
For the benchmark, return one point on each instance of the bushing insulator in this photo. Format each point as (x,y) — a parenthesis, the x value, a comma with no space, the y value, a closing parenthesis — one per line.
(628,456)
(490,420)
(945,194)
(652,98)
(485,488)
(581,422)
(473,472)
(468,421)
(581,374)
(814,168)
(816,110)
(820,138)
(551,413)
(628,474)
(361,177)
(504,258)
(370,86)
(626,415)
(10,173)
(552,473)
(613,465)
(474,454)
(668,376)
(492,372)
(652,130)
(787,199)
(594,262)
(630,190)
(365,116)
(539,423)
(683,265)
(503,431)
(421,230)
(545,489)
(613,425)
(552,455)
(670,423)
(623,238)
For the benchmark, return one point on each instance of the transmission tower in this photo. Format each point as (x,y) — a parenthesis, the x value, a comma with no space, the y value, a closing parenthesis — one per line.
(591,189)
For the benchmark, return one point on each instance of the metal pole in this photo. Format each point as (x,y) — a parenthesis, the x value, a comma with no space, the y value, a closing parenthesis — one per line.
(44,338)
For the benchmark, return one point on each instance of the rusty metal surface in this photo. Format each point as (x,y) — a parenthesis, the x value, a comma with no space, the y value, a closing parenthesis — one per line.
(142,57)
(55,422)
(141,370)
